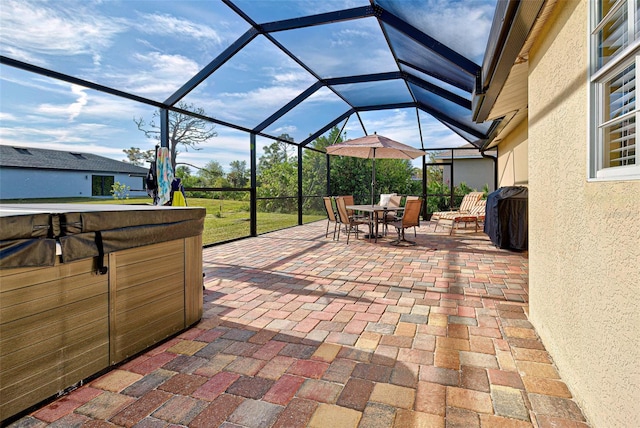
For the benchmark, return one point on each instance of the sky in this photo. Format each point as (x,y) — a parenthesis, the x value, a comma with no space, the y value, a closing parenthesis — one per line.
(151,48)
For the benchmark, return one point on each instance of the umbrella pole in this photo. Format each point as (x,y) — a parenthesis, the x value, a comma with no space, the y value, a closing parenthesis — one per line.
(373,175)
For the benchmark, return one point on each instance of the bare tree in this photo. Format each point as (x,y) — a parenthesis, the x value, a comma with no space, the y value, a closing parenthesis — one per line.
(184,129)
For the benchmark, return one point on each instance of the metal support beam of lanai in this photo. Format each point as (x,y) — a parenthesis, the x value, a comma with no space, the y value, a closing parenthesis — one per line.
(429,42)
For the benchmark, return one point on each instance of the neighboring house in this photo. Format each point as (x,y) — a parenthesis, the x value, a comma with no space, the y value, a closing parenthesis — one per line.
(27,172)
(563,76)
(468,166)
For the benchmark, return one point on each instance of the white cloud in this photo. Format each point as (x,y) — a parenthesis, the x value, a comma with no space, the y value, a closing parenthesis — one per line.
(287,129)
(76,108)
(84,134)
(158,24)
(21,55)
(292,77)
(32,29)
(156,74)
(87,105)
(346,37)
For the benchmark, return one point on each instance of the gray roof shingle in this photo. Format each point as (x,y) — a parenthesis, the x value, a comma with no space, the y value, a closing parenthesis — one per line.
(28,157)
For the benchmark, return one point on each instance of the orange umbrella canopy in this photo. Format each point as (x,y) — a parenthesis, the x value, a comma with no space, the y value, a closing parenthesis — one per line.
(374,147)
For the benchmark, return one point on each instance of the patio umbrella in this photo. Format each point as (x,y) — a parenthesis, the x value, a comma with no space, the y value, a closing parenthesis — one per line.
(374,147)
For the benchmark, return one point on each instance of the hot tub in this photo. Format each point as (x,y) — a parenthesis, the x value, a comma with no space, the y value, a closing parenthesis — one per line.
(84,287)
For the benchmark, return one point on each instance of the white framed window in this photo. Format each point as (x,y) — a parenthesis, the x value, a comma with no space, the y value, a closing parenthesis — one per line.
(615,69)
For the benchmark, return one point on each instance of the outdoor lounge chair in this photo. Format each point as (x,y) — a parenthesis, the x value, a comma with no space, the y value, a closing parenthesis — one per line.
(476,216)
(468,201)
(350,222)
(410,218)
(331,216)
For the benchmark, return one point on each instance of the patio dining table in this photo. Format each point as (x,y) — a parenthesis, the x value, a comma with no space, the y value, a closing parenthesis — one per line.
(373,211)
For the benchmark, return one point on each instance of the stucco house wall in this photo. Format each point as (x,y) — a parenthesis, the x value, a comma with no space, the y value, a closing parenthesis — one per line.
(28,172)
(513,158)
(475,173)
(23,183)
(584,236)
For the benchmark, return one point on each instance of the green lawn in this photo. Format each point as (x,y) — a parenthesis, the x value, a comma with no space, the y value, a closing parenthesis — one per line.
(225,220)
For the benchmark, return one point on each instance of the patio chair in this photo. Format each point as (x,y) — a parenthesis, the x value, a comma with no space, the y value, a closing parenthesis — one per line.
(331,216)
(391,215)
(413,198)
(350,222)
(468,201)
(348,200)
(476,216)
(410,218)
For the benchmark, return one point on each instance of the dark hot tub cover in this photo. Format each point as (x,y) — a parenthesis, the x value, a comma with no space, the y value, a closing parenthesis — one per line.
(28,232)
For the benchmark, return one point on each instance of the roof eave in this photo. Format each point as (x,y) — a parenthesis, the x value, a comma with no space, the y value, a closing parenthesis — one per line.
(510,32)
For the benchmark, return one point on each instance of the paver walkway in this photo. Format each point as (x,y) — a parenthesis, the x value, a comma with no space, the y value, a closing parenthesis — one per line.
(300,330)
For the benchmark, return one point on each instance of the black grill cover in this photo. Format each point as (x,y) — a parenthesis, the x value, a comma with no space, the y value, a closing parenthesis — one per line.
(506,220)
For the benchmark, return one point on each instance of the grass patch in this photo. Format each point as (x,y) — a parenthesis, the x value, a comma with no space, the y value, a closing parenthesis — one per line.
(225,219)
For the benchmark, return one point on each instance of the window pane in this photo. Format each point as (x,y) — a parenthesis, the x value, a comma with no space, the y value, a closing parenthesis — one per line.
(101,185)
(614,35)
(604,7)
(620,136)
(621,93)
(637,26)
(620,148)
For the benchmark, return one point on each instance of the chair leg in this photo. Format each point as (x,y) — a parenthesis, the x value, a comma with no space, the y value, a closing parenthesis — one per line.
(404,239)
(401,238)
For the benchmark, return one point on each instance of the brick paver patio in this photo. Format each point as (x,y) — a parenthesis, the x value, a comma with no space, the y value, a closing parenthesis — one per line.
(300,330)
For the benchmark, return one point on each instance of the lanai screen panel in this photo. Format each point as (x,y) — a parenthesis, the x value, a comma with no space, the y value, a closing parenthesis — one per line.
(375,93)
(152,49)
(398,124)
(56,115)
(329,137)
(465,135)
(328,50)
(263,11)
(229,148)
(251,85)
(313,113)
(438,134)
(426,60)
(462,26)
(102,42)
(434,81)
(461,115)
